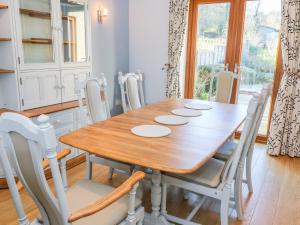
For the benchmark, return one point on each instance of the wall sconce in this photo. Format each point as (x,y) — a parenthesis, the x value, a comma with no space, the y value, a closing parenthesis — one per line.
(102,13)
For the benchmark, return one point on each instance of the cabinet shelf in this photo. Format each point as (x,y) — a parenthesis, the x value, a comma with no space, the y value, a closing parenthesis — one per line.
(2,39)
(3,6)
(40,14)
(5,71)
(35,13)
(44,41)
(37,41)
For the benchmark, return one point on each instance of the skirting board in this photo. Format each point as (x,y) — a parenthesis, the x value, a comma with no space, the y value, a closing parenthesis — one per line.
(70,164)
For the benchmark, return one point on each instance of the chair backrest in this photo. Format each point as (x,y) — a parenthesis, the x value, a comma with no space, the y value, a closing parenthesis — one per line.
(9,175)
(255,125)
(265,95)
(95,90)
(245,139)
(29,142)
(132,93)
(224,86)
(248,147)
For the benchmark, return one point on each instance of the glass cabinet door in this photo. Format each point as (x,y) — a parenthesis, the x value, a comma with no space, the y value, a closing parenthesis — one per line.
(74,31)
(36,30)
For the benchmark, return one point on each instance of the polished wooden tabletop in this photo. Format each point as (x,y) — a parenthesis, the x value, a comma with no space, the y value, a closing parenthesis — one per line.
(184,151)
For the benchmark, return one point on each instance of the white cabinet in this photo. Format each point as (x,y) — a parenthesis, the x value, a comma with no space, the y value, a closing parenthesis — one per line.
(50,48)
(69,78)
(40,88)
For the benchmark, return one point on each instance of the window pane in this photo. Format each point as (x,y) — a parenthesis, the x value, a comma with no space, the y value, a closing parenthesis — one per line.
(211,44)
(74,31)
(260,42)
(36,31)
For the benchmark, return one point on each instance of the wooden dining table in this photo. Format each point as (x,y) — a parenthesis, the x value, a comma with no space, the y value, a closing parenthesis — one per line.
(184,151)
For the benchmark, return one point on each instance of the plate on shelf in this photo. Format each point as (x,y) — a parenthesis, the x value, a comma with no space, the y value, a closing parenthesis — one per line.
(151,131)
(197,106)
(187,112)
(171,120)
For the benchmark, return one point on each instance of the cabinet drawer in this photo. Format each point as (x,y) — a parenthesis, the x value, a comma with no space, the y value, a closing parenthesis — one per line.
(39,89)
(60,120)
(69,79)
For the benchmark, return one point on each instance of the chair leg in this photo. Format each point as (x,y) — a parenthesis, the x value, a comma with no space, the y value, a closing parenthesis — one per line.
(164,199)
(131,218)
(63,171)
(111,173)
(225,204)
(186,194)
(89,167)
(249,171)
(140,190)
(238,192)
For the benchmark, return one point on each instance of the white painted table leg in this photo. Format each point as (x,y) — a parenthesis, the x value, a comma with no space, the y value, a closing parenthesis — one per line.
(156,218)
(156,193)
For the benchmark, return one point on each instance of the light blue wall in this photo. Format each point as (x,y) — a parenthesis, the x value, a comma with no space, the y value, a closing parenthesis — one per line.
(110,44)
(148,44)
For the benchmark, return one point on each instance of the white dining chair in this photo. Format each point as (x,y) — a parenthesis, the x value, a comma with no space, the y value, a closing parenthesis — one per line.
(228,149)
(132,93)
(226,152)
(224,86)
(215,178)
(95,90)
(85,203)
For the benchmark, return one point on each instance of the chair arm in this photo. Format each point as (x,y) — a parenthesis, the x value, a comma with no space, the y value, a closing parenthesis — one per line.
(109,199)
(62,154)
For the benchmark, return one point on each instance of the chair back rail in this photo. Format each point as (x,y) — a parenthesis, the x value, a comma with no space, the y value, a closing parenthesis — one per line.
(132,93)
(95,90)
(245,140)
(225,80)
(265,94)
(7,167)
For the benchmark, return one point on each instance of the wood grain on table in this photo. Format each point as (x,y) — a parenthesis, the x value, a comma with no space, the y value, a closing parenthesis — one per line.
(184,151)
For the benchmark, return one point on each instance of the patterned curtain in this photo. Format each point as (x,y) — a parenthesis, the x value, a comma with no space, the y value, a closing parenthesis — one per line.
(177,27)
(284,137)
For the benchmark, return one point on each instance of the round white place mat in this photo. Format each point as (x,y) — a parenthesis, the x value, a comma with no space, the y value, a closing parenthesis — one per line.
(151,131)
(197,106)
(171,120)
(186,112)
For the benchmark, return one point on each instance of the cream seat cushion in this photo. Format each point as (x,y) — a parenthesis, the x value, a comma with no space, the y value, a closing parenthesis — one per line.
(86,192)
(226,151)
(209,175)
